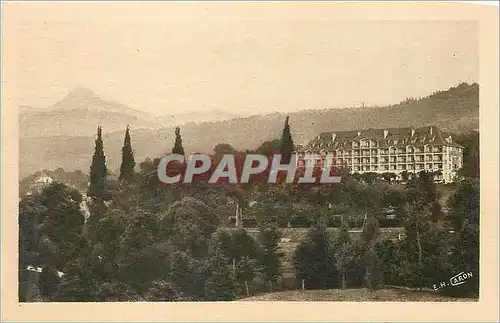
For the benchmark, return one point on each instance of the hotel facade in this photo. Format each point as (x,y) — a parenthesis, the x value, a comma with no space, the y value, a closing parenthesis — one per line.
(392,150)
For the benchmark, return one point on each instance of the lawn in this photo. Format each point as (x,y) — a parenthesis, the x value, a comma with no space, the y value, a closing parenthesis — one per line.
(358,295)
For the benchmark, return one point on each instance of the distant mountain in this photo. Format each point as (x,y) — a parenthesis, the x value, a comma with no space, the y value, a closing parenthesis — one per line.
(78,114)
(455,110)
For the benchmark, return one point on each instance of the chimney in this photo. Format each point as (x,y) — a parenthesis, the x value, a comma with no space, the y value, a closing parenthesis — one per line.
(413,132)
(359,133)
(333,137)
(386,132)
(430,130)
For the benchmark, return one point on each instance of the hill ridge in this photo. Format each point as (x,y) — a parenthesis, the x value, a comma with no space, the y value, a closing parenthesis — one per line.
(454,110)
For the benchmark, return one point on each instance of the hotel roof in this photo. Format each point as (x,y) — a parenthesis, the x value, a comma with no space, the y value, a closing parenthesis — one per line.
(388,137)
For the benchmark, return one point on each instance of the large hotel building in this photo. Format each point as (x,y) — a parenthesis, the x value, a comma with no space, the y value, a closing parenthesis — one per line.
(392,150)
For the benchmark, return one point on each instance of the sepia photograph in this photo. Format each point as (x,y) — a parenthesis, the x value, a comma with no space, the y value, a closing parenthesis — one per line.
(181,152)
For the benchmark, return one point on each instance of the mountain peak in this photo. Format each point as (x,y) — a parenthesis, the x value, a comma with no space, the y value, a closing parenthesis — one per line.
(81,93)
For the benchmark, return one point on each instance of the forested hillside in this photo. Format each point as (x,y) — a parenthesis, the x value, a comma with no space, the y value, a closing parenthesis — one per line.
(455,110)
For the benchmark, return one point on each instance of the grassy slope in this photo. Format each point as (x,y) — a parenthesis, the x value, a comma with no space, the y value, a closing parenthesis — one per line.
(358,295)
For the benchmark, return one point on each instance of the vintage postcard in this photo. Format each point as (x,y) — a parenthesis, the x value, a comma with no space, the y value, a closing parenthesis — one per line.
(243,161)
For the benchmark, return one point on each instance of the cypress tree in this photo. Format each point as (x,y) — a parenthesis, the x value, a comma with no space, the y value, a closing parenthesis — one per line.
(98,169)
(269,239)
(286,144)
(344,253)
(369,236)
(178,149)
(128,162)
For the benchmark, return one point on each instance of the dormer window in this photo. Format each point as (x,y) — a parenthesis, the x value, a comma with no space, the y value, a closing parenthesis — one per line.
(395,142)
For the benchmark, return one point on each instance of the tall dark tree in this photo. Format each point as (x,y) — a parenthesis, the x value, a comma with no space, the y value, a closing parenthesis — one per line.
(314,259)
(369,241)
(286,144)
(178,149)
(418,218)
(220,281)
(98,169)
(344,252)
(269,238)
(246,269)
(470,141)
(128,162)
(465,213)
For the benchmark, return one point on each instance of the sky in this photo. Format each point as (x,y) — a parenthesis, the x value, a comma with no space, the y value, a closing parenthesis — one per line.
(171,59)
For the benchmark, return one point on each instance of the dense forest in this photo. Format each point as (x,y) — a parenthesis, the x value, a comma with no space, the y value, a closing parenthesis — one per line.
(146,241)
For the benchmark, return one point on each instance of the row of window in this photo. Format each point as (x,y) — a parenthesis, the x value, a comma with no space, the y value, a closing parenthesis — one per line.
(381,152)
(386,160)
(411,159)
(373,143)
(365,152)
(375,155)
(397,167)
